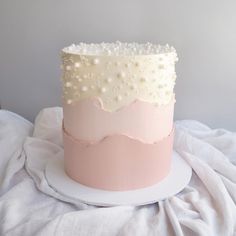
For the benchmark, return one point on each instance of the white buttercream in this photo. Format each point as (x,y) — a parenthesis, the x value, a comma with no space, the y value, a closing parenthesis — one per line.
(118,73)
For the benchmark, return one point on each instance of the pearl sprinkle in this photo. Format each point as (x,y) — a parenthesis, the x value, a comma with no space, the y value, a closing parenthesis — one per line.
(84,88)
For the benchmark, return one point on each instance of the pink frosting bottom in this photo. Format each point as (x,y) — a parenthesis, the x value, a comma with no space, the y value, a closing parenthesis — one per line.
(117,162)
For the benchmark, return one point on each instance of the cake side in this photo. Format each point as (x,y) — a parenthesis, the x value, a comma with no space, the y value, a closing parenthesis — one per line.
(118,98)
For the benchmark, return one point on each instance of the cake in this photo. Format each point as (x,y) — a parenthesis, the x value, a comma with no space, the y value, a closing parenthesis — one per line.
(118,104)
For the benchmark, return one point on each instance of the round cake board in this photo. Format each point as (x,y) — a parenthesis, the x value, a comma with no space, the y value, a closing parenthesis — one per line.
(179,176)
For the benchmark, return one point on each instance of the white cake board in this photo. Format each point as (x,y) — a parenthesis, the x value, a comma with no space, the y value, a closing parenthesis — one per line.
(177,179)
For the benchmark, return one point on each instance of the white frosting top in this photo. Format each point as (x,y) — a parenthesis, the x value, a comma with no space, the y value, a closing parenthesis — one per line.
(119,73)
(119,49)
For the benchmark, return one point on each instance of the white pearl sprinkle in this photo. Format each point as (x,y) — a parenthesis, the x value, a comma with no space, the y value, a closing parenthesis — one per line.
(69,101)
(103,89)
(68,84)
(77,64)
(84,88)
(119,48)
(109,80)
(119,98)
(95,61)
(68,67)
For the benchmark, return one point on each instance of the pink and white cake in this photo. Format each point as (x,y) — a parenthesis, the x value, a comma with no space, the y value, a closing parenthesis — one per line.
(118,104)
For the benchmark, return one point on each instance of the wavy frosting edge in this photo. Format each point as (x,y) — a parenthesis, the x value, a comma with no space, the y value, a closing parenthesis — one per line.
(100,104)
(117,162)
(87,120)
(87,143)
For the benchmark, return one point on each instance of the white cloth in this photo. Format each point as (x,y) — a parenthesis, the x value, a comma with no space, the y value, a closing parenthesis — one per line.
(29,206)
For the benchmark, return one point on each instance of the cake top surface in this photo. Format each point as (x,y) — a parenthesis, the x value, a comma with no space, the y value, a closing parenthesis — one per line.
(119,49)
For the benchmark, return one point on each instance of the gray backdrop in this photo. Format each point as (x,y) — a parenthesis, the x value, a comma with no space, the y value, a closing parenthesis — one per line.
(203,32)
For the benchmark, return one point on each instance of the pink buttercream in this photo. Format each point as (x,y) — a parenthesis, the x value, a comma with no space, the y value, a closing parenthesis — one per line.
(87,120)
(117,162)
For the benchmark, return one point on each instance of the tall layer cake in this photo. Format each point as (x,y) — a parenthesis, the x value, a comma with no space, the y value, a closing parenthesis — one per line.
(118,104)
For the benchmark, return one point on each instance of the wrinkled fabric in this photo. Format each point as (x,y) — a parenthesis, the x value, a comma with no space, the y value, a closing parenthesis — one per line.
(29,206)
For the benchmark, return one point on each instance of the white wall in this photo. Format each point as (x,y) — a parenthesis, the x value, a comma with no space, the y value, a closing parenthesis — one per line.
(203,32)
